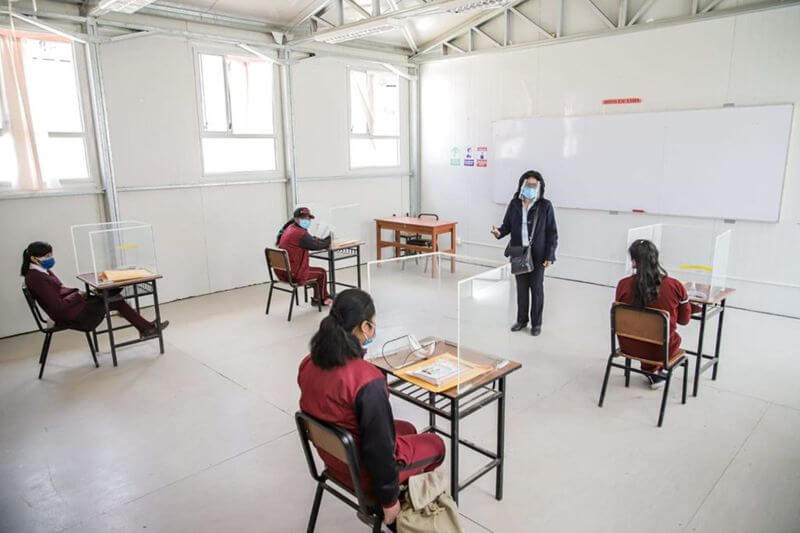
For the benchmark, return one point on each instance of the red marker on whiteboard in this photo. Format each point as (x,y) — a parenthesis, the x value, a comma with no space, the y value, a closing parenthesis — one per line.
(637,210)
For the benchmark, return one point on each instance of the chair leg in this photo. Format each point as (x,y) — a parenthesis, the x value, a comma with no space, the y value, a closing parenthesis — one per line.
(319,302)
(685,379)
(45,349)
(627,372)
(605,381)
(269,298)
(664,398)
(305,290)
(297,296)
(312,520)
(91,347)
(291,303)
(376,526)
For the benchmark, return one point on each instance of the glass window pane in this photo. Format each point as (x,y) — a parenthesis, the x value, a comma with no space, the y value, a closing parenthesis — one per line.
(223,155)
(359,114)
(385,103)
(215,111)
(250,85)
(373,153)
(62,159)
(8,160)
(52,86)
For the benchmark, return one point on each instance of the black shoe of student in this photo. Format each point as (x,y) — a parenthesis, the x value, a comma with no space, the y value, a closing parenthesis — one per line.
(519,326)
(536,331)
(153,332)
(656,382)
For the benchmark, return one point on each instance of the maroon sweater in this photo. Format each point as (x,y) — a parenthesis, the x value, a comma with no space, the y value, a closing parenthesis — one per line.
(673,298)
(355,397)
(61,303)
(297,242)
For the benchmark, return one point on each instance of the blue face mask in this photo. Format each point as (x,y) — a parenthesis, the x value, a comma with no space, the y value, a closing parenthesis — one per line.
(47,263)
(530,193)
(304,223)
(369,341)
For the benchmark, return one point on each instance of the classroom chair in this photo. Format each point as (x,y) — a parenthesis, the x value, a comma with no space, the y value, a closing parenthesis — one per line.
(278,259)
(49,329)
(648,325)
(417,239)
(340,444)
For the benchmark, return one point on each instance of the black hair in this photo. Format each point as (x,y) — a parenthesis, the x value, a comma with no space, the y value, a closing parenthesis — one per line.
(334,343)
(34,249)
(649,272)
(280,233)
(530,174)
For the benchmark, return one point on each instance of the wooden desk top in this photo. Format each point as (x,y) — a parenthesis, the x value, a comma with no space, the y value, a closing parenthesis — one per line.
(416,222)
(717,297)
(91,280)
(398,358)
(343,245)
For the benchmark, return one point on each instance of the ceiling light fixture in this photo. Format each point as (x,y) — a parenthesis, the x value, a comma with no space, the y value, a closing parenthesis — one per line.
(475,5)
(355,31)
(124,6)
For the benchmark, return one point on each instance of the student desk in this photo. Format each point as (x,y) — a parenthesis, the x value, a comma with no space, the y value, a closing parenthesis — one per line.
(712,306)
(423,226)
(112,291)
(339,251)
(454,406)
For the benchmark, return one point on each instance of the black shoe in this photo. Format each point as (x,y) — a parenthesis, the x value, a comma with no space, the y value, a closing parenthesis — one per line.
(536,330)
(656,382)
(153,331)
(519,326)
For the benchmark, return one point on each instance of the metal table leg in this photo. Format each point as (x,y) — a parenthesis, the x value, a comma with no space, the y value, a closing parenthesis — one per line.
(158,317)
(94,331)
(331,273)
(699,361)
(719,338)
(136,297)
(110,328)
(501,439)
(358,265)
(454,445)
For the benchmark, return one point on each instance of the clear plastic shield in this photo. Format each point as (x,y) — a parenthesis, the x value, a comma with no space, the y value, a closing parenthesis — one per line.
(104,249)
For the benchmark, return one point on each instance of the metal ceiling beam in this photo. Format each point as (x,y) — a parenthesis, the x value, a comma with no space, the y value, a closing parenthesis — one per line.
(363,12)
(642,10)
(599,12)
(708,13)
(177,11)
(524,17)
(478,30)
(307,13)
(455,47)
(622,16)
(405,29)
(477,20)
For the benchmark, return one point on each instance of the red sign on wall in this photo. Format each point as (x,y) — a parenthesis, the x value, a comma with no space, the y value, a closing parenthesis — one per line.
(614,101)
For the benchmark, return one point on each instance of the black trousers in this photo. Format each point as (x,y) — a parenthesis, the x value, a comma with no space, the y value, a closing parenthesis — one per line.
(530,286)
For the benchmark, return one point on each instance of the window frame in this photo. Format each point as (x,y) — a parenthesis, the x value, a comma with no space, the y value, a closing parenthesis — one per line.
(65,184)
(351,135)
(243,175)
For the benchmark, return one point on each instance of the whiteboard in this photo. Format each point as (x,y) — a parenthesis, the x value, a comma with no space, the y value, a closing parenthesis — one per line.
(717,163)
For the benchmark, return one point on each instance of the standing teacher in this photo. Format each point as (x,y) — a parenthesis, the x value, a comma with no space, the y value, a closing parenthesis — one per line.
(531,222)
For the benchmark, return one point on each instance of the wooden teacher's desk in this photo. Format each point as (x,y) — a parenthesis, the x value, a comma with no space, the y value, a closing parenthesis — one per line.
(422,226)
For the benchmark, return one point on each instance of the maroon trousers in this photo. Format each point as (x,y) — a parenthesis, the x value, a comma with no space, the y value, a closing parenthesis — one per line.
(319,275)
(94,312)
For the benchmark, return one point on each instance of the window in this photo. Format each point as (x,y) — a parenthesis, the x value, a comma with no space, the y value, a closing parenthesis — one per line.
(374,119)
(42,133)
(236,103)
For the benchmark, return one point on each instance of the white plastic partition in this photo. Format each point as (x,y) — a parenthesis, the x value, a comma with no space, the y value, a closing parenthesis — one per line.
(466,304)
(114,246)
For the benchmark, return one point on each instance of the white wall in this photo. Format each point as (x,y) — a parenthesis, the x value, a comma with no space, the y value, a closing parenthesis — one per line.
(749,59)
(322,150)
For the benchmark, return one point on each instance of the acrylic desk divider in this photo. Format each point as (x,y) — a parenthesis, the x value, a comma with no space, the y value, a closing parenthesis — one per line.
(695,255)
(462,304)
(113,247)
(346,222)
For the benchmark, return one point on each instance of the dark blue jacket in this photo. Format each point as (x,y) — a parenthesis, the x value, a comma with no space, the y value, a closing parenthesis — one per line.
(545,239)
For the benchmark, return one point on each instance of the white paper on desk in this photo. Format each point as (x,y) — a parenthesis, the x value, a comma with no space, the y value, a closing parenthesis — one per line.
(321,230)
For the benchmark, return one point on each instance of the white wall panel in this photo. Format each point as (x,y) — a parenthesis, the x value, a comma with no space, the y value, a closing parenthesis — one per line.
(179,231)
(38,219)
(239,222)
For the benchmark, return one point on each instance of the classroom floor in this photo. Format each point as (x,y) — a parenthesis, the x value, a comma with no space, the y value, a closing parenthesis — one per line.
(201,438)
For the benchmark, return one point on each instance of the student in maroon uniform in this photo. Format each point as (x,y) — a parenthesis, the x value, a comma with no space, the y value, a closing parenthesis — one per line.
(650,286)
(71,307)
(297,241)
(338,386)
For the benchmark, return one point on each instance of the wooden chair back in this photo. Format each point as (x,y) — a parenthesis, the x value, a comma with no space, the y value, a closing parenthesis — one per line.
(641,324)
(278,260)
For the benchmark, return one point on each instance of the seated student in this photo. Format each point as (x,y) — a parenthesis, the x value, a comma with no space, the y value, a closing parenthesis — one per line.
(650,286)
(338,386)
(297,241)
(71,307)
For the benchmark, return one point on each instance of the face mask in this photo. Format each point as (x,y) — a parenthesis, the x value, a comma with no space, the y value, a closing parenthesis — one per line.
(369,341)
(530,193)
(47,263)
(304,223)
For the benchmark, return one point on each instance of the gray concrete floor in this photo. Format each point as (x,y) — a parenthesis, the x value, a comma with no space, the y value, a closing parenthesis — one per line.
(201,438)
